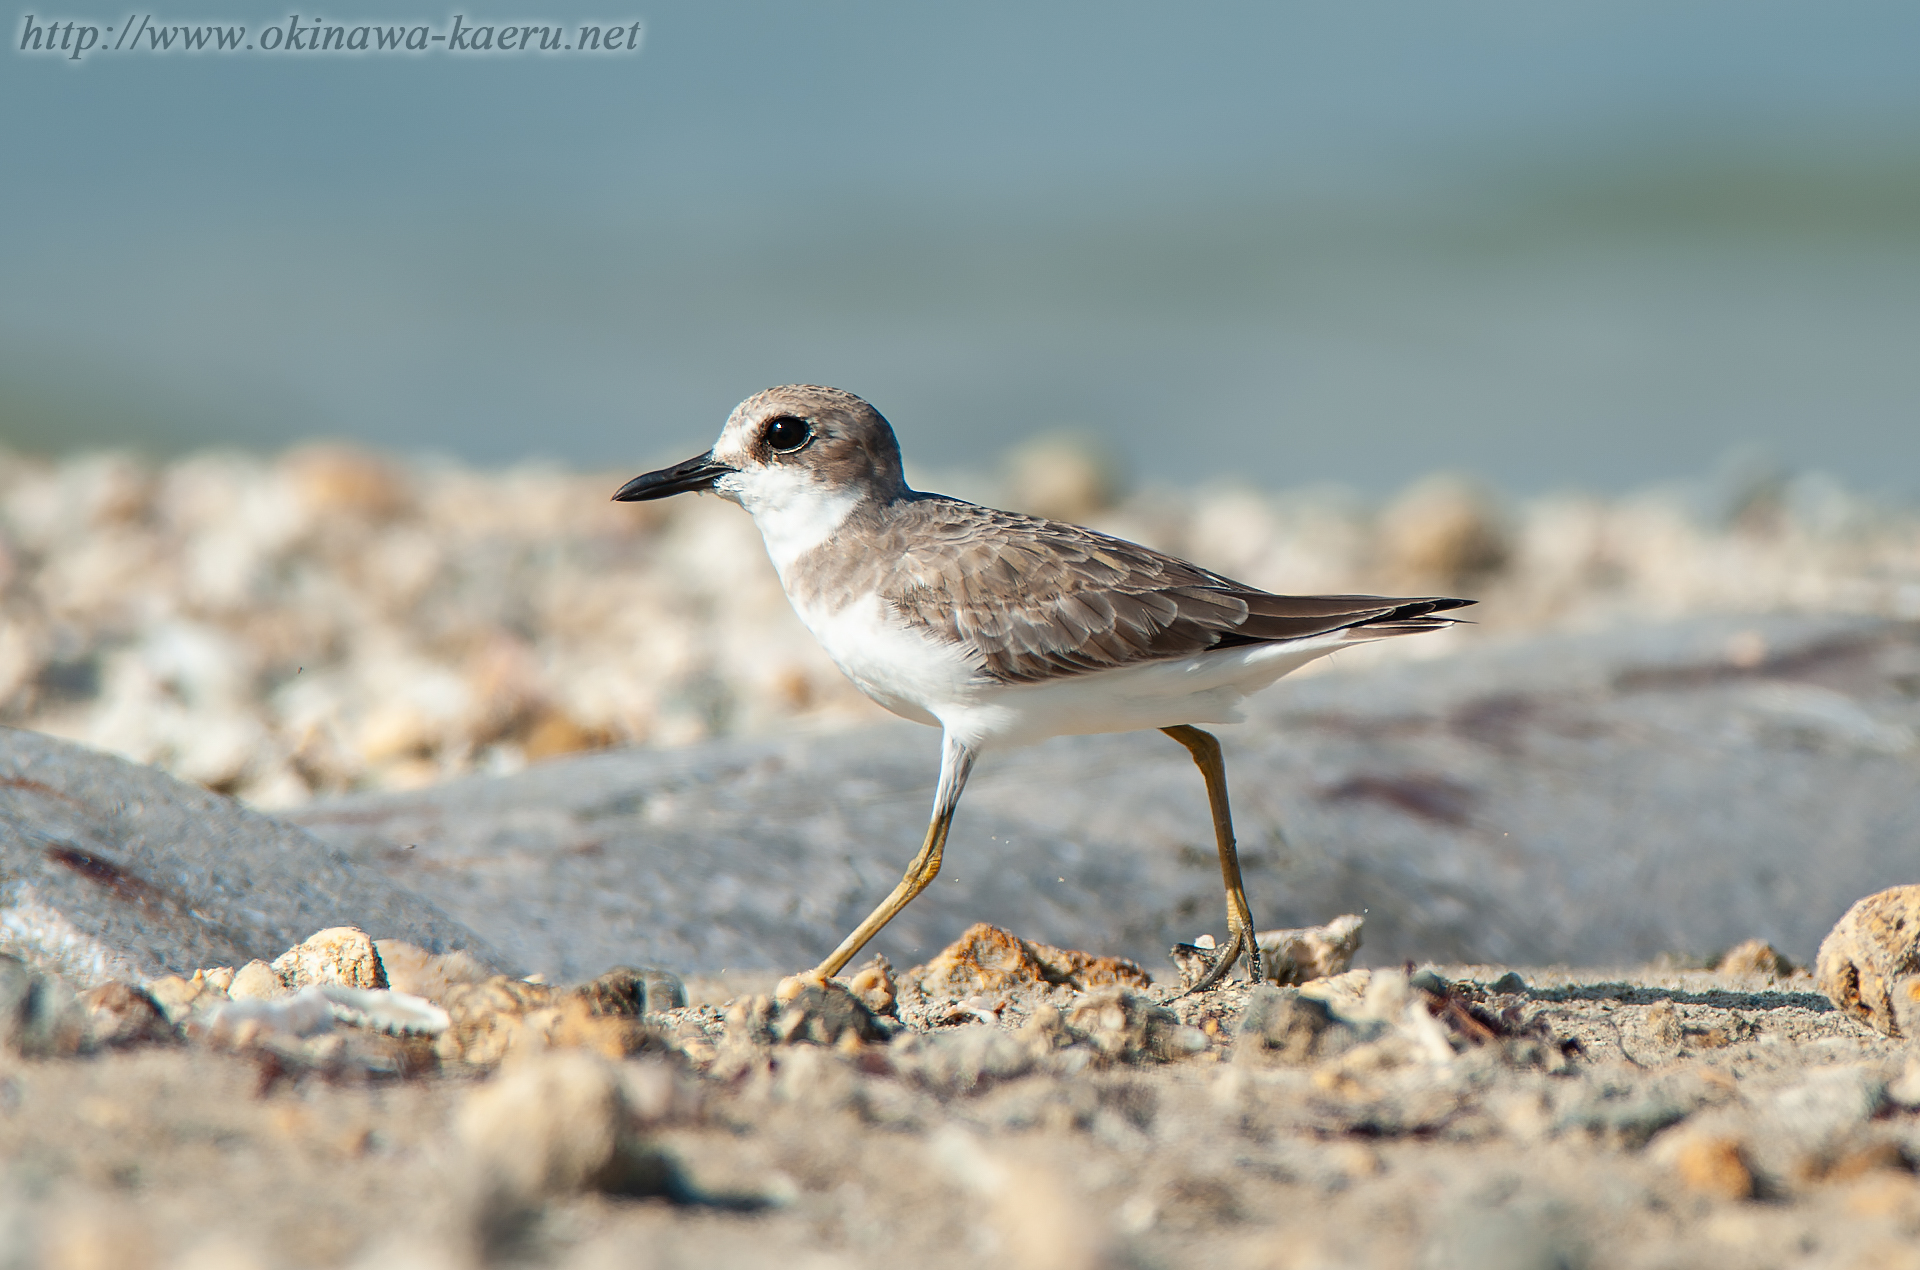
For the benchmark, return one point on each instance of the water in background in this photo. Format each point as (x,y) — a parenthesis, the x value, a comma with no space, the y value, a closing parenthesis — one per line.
(1588,244)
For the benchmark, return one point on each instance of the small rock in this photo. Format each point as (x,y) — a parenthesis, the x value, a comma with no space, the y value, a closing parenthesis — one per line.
(256,981)
(38,1015)
(1713,1165)
(1345,993)
(337,480)
(1508,984)
(1524,1233)
(1046,1031)
(176,996)
(412,969)
(1128,1027)
(630,992)
(1755,957)
(340,954)
(1284,1027)
(1827,1104)
(1875,944)
(963,1060)
(1627,1119)
(1194,961)
(749,1021)
(1427,979)
(1905,1089)
(1040,1221)
(873,984)
(93,1234)
(1903,998)
(620,992)
(825,1014)
(988,960)
(559,1124)
(574,1025)
(1311,952)
(1857,1160)
(218,979)
(488,1021)
(1444,529)
(485,1019)
(119,1015)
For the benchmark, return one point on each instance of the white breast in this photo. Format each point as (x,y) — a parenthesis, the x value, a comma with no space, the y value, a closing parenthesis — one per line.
(907,670)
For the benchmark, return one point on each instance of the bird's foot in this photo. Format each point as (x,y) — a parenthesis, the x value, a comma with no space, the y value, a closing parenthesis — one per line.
(1237,943)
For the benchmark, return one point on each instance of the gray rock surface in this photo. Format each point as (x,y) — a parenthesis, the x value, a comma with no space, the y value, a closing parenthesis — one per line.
(111,870)
(1594,798)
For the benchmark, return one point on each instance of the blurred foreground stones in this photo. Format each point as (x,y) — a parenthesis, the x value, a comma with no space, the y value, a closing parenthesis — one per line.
(1545,1118)
(334,620)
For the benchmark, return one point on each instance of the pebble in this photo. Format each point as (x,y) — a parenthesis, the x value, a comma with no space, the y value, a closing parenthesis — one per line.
(411,968)
(1874,946)
(501,1017)
(1427,979)
(1128,1027)
(632,992)
(987,960)
(175,996)
(962,1060)
(825,1014)
(1713,1165)
(873,983)
(340,954)
(1313,952)
(1280,1026)
(559,1124)
(1445,529)
(1040,1221)
(1756,958)
(256,981)
(120,1014)
(38,1014)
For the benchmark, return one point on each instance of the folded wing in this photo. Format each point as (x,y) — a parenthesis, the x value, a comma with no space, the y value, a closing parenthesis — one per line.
(1040,598)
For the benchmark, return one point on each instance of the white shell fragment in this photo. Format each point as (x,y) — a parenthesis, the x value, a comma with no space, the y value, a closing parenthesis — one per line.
(304,1013)
(381,1010)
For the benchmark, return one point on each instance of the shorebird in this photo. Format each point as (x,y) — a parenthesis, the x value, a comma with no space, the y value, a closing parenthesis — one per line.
(1002,629)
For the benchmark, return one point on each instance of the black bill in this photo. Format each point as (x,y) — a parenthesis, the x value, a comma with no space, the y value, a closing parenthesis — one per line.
(697,473)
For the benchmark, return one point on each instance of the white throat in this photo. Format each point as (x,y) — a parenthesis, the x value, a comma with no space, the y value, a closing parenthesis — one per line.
(794,512)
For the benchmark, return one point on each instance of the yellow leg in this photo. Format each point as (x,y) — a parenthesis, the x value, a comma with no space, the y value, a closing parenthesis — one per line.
(1205,749)
(956,762)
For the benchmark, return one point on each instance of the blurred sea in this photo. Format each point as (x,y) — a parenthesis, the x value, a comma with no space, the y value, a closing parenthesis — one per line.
(1588,245)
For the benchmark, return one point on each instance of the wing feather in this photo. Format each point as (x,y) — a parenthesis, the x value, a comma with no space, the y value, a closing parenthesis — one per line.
(1039,598)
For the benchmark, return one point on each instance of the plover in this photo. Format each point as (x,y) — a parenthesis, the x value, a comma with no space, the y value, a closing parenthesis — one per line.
(1002,629)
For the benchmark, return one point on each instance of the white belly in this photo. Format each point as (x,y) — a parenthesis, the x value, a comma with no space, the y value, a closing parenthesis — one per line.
(1205,688)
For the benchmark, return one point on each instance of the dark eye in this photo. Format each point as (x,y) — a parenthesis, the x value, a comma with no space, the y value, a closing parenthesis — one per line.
(787,434)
